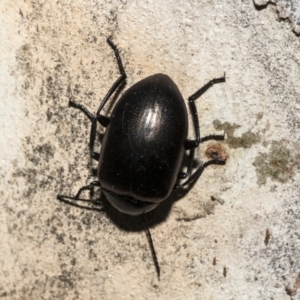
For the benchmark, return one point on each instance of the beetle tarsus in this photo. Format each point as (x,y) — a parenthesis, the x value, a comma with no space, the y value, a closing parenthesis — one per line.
(199,171)
(82,108)
(194,112)
(93,131)
(119,81)
(73,201)
(90,187)
(192,144)
(152,249)
(216,137)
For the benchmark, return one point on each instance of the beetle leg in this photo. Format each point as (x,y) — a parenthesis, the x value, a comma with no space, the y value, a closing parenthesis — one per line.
(199,171)
(66,199)
(93,119)
(70,201)
(89,187)
(183,175)
(195,143)
(216,137)
(152,249)
(101,119)
(83,109)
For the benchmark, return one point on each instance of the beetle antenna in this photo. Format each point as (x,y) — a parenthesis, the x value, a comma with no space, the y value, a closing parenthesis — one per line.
(156,264)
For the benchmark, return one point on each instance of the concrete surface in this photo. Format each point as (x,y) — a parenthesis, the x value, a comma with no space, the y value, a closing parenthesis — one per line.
(243,244)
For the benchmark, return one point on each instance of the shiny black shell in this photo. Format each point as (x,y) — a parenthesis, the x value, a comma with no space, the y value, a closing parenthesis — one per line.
(143,145)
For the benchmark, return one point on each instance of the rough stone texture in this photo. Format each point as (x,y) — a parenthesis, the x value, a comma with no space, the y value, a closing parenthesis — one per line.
(287,9)
(233,235)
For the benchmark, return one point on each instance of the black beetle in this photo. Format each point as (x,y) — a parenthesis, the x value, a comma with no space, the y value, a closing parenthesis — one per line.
(144,143)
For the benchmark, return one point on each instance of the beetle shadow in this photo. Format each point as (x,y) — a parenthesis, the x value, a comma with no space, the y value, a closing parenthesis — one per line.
(135,223)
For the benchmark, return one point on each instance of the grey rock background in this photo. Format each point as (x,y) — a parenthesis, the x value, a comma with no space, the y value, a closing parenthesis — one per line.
(287,9)
(243,245)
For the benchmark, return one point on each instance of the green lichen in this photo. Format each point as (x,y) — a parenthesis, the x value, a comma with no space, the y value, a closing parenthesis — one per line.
(245,141)
(279,164)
